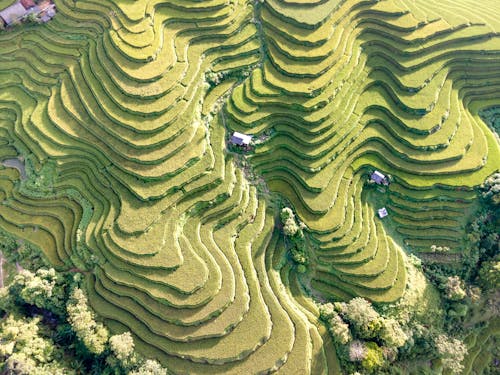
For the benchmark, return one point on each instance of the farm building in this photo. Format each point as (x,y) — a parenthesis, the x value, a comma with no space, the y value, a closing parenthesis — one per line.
(379,178)
(21,9)
(13,13)
(240,139)
(382,212)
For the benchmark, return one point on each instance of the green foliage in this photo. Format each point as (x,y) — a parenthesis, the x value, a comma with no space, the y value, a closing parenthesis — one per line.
(294,232)
(93,334)
(25,350)
(32,18)
(149,367)
(23,253)
(122,346)
(39,183)
(451,351)
(489,274)
(366,322)
(374,357)
(363,336)
(491,117)
(44,289)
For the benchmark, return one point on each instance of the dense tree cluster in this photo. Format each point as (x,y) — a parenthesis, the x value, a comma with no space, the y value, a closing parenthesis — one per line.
(93,334)
(362,334)
(293,231)
(385,340)
(452,352)
(369,342)
(24,349)
(48,327)
(44,289)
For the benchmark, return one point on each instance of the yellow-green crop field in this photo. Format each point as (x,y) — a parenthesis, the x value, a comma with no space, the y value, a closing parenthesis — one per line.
(122,110)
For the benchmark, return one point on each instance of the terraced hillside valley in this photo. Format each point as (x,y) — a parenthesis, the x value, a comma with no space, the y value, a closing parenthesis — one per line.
(115,119)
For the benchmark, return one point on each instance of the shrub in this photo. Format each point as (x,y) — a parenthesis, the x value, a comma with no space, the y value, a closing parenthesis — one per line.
(452,352)
(122,346)
(374,357)
(363,317)
(357,351)
(454,289)
(339,329)
(93,335)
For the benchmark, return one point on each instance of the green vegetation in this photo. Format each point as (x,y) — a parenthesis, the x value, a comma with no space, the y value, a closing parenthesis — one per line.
(49,328)
(161,240)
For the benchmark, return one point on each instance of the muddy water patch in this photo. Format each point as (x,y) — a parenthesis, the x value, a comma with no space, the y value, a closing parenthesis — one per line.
(16,163)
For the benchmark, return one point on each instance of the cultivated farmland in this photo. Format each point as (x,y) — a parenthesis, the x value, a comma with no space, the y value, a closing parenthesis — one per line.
(122,111)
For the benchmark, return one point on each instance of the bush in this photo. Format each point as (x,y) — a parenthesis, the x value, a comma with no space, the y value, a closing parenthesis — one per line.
(452,352)
(93,335)
(374,357)
(363,317)
(339,329)
(392,333)
(357,351)
(454,288)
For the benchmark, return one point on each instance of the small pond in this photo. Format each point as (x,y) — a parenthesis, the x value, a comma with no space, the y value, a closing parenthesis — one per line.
(17,164)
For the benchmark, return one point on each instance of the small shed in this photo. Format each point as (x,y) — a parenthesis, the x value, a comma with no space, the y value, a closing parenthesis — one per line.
(13,13)
(379,178)
(382,212)
(240,139)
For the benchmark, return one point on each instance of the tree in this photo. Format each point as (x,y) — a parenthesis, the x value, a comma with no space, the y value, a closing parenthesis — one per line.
(93,335)
(451,351)
(454,288)
(363,317)
(122,346)
(150,367)
(326,311)
(44,289)
(491,188)
(374,357)
(23,349)
(290,226)
(339,329)
(357,351)
(392,333)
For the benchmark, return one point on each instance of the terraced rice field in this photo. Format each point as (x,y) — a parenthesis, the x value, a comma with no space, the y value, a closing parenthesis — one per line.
(126,142)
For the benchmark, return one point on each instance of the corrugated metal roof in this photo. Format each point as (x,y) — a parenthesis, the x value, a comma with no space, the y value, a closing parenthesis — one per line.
(241,139)
(382,212)
(13,13)
(378,177)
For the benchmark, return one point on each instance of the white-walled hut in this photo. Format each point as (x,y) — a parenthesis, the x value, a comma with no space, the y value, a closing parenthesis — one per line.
(382,212)
(240,139)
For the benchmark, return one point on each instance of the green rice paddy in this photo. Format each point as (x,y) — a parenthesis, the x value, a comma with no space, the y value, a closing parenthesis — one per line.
(120,98)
